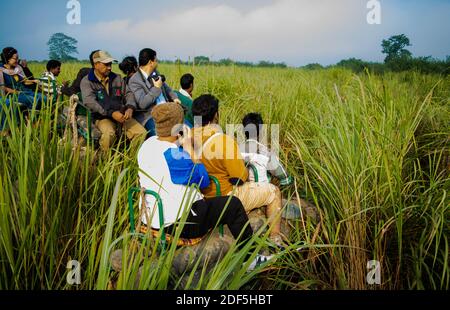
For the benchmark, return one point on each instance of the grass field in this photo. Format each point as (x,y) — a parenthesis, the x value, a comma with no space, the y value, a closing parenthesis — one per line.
(372,152)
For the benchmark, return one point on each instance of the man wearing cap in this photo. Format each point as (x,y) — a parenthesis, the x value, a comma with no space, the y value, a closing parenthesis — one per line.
(111,103)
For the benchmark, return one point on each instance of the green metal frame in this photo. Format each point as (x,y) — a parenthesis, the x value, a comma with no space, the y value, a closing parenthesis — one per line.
(255,172)
(81,109)
(54,88)
(134,190)
(217,184)
(84,111)
(218,193)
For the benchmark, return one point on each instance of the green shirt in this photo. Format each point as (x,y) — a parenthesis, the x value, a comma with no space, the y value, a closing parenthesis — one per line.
(187,103)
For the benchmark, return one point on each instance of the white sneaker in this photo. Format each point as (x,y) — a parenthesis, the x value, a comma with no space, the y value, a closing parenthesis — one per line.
(258,261)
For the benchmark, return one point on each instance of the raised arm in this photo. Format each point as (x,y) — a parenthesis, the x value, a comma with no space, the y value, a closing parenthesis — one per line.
(145,98)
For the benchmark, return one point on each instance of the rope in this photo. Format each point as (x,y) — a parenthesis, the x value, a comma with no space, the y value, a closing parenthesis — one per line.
(72,121)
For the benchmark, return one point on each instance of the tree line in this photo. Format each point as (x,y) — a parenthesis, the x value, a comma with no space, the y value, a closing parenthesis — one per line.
(398,58)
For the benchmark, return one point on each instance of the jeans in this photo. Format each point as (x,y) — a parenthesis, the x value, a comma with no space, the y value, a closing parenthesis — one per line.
(26,98)
(6,107)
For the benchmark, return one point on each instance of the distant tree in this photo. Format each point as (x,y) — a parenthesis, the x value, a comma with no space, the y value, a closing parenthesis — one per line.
(269,64)
(244,64)
(61,47)
(394,48)
(313,66)
(226,62)
(201,60)
(356,65)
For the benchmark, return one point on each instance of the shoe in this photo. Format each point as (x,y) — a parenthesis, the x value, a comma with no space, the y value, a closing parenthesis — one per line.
(258,261)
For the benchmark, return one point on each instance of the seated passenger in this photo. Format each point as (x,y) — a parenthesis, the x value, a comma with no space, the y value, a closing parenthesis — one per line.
(17,82)
(258,154)
(129,67)
(221,156)
(169,166)
(185,96)
(105,94)
(74,89)
(149,89)
(48,79)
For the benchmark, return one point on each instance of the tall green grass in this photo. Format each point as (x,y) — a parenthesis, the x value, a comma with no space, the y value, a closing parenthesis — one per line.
(370,151)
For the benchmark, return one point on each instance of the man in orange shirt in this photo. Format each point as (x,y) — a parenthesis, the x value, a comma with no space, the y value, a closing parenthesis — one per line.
(221,156)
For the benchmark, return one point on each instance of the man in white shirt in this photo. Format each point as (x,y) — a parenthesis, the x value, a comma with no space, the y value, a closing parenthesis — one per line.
(170,166)
(172,170)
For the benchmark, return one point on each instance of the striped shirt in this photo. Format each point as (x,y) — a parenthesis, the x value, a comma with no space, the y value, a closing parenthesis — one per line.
(46,82)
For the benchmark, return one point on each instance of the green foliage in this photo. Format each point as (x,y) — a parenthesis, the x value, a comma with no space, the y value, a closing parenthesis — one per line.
(394,48)
(201,60)
(269,64)
(62,47)
(372,152)
(313,66)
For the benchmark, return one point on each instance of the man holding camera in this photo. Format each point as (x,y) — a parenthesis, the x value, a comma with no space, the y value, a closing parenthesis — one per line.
(149,89)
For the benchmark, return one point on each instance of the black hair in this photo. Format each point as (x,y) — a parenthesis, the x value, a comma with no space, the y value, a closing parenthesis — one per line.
(91,57)
(146,55)
(7,54)
(205,106)
(128,65)
(186,80)
(52,64)
(252,121)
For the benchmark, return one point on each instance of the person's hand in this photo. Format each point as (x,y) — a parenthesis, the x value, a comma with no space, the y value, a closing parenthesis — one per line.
(177,101)
(23,63)
(157,83)
(185,139)
(30,82)
(128,113)
(10,91)
(118,117)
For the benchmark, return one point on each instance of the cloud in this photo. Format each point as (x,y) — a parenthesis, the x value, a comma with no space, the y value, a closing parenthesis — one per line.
(284,29)
(295,31)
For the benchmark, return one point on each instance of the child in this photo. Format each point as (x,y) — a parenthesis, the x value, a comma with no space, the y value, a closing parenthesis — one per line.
(260,156)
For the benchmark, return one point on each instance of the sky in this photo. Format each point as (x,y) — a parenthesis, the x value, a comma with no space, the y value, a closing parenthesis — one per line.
(296,32)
